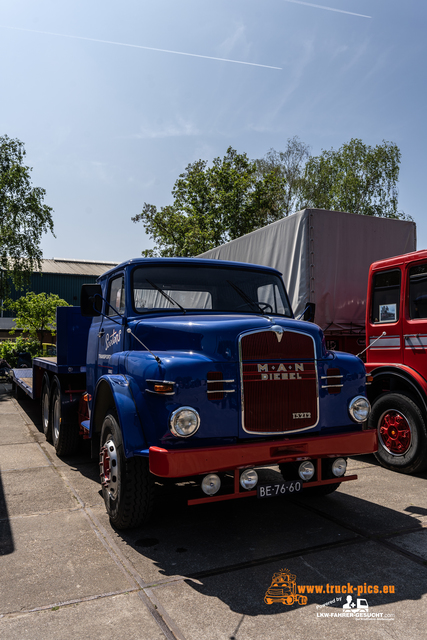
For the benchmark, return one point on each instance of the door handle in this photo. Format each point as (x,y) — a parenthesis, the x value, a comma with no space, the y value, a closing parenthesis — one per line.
(101,333)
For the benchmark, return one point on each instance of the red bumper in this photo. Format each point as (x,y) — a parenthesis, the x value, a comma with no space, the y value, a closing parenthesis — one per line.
(192,462)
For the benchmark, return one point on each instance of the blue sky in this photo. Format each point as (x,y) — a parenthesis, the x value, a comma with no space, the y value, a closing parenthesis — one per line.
(108,127)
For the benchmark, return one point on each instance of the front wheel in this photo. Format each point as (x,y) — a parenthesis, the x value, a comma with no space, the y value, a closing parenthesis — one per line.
(402,437)
(127,485)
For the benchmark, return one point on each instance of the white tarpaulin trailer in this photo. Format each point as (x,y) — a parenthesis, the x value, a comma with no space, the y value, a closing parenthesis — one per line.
(324,257)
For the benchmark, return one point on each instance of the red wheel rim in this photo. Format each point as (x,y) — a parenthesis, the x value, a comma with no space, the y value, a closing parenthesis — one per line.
(395,432)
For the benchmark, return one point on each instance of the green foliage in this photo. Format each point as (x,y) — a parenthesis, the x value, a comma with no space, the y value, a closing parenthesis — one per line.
(23,216)
(356,178)
(36,313)
(212,205)
(9,349)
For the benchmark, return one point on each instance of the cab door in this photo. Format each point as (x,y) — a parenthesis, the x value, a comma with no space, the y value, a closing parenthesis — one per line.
(384,317)
(111,333)
(415,317)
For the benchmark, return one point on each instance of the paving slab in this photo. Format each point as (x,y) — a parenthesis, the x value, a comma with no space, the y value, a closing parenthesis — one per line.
(84,478)
(182,540)
(22,456)
(378,503)
(232,605)
(57,557)
(110,617)
(415,543)
(34,491)
(13,430)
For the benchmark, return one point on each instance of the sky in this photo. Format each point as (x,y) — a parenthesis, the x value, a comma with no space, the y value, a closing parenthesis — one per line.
(113,100)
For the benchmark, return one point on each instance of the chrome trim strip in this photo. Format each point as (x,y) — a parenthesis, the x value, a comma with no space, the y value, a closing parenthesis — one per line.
(331,386)
(219,380)
(221,391)
(327,377)
(272,433)
(415,340)
(160,381)
(389,341)
(157,393)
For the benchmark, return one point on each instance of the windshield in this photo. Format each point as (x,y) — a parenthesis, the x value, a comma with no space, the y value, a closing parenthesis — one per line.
(198,288)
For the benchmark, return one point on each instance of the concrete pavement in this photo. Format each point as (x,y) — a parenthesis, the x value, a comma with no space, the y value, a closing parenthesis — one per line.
(200,572)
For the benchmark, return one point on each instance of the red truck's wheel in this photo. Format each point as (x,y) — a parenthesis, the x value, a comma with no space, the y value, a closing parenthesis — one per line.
(127,485)
(402,437)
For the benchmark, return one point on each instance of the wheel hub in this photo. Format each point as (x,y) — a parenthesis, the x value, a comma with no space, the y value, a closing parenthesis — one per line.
(395,432)
(108,467)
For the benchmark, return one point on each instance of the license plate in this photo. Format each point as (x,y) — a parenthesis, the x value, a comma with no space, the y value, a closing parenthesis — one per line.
(288,487)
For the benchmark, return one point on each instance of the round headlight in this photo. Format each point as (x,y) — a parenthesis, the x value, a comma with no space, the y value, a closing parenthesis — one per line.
(249,479)
(359,409)
(184,422)
(306,470)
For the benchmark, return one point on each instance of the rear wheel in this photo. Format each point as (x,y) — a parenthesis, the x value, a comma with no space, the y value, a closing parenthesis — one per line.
(65,433)
(127,485)
(402,436)
(45,406)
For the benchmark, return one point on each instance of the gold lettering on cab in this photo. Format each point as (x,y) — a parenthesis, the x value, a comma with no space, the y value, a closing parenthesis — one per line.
(281,371)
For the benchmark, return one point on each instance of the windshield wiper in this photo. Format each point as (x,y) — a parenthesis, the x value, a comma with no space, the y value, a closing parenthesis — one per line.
(246,298)
(165,295)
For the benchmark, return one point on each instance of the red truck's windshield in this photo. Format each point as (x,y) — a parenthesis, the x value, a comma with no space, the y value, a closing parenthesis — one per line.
(200,288)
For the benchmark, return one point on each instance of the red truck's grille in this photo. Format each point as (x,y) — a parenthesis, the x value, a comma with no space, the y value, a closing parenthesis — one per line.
(279,382)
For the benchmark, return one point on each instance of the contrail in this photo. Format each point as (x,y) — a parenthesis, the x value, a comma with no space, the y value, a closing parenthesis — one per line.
(138,46)
(319,6)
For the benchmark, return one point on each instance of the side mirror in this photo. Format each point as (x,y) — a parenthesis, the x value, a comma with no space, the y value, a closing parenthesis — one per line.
(309,312)
(91,300)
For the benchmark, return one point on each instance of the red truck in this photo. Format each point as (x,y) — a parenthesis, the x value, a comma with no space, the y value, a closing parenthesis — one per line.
(342,263)
(396,332)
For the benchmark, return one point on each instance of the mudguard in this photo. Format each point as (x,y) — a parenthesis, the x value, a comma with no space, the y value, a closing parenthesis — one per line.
(129,419)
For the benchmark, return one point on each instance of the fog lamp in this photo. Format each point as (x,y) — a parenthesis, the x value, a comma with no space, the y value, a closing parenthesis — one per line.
(339,467)
(211,484)
(249,479)
(306,470)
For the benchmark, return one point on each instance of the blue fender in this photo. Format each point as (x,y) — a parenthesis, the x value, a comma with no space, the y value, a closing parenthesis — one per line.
(129,419)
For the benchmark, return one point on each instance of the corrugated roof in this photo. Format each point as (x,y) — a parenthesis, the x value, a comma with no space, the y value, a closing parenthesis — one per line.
(76,267)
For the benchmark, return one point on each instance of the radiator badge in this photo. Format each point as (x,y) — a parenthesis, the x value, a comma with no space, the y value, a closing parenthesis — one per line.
(280,371)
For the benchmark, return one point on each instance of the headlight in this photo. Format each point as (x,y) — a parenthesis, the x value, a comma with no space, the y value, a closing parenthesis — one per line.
(359,409)
(184,422)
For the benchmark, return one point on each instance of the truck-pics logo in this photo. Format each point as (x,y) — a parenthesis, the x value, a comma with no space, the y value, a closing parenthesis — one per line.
(283,589)
(113,338)
(280,371)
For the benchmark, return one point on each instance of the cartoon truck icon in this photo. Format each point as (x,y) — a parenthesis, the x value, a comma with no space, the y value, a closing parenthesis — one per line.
(360,607)
(283,589)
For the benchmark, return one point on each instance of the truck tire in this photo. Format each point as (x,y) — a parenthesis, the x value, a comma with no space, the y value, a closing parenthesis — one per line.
(127,484)
(45,408)
(65,433)
(402,436)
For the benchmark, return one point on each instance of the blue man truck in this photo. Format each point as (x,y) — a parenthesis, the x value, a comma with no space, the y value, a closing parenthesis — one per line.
(197,369)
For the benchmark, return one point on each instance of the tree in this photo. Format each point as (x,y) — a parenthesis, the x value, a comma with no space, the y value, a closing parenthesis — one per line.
(212,205)
(23,217)
(356,178)
(36,313)
(289,165)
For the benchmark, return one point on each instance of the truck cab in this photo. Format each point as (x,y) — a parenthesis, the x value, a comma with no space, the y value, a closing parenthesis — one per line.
(198,369)
(396,332)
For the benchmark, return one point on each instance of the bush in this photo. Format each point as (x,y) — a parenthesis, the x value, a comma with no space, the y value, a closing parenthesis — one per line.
(9,349)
